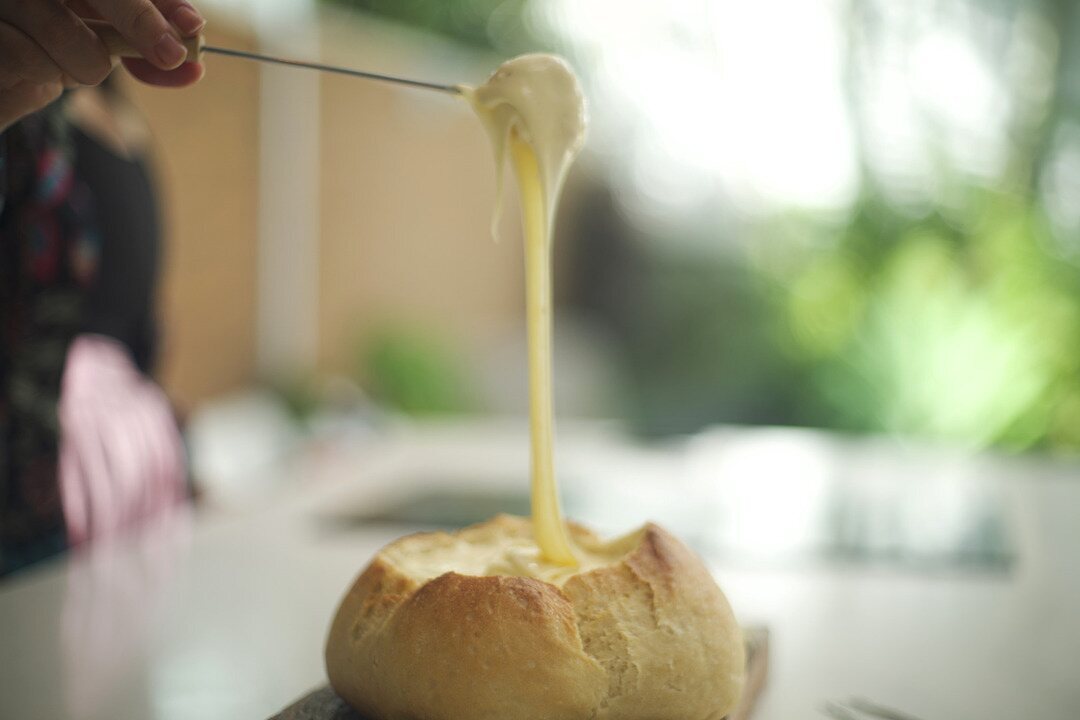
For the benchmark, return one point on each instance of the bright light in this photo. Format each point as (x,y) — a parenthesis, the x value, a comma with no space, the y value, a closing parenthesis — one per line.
(962,97)
(769,492)
(699,100)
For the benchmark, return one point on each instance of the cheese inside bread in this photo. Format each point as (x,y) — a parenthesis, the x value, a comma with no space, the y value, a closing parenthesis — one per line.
(501,546)
(466,626)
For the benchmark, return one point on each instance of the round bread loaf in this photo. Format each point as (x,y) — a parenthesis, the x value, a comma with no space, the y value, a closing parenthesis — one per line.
(639,631)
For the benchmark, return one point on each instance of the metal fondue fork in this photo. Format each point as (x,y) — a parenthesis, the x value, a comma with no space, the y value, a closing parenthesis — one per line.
(118,46)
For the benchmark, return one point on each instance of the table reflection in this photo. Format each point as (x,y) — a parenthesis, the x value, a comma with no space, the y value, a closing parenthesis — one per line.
(116,595)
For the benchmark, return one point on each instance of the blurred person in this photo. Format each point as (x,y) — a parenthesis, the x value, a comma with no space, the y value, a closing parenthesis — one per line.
(88,443)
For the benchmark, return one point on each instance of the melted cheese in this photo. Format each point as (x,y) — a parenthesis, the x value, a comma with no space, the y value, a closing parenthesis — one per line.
(501,546)
(517,556)
(534,112)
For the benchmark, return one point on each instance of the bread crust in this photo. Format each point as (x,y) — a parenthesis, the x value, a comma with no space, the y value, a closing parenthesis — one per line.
(648,637)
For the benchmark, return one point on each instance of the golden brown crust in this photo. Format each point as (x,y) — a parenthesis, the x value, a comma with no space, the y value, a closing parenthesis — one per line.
(648,637)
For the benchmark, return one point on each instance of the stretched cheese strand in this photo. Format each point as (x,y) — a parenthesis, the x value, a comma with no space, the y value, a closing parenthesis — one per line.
(532,106)
(548,525)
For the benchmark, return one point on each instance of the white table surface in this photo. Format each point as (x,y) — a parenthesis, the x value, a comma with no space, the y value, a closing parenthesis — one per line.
(222,615)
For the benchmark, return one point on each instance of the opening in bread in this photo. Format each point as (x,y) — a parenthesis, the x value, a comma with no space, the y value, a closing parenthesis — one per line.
(503,545)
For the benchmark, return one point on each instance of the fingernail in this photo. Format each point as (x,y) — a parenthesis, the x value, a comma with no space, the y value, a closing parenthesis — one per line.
(187,20)
(169,51)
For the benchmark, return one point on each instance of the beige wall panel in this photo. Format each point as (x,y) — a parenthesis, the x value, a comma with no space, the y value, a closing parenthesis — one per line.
(407,186)
(206,140)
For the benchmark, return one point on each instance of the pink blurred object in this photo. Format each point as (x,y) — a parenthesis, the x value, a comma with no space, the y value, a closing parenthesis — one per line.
(121,457)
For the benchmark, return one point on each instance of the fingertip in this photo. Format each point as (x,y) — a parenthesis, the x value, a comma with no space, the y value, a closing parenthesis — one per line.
(143,25)
(187,20)
(93,73)
(47,92)
(196,73)
(185,75)
(169,52)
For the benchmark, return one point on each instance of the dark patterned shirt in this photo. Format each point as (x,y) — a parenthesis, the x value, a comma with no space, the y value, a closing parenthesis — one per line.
(49,251)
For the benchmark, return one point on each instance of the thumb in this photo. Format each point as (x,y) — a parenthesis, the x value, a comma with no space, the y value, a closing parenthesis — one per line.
(24,98)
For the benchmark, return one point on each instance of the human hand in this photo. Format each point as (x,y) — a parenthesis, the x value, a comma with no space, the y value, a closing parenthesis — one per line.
(45,45)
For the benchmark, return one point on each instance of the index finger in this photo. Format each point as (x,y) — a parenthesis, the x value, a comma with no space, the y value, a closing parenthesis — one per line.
(143,25)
